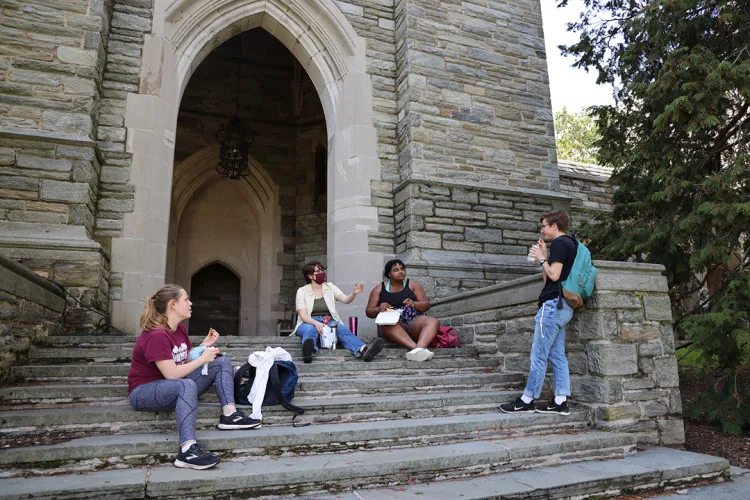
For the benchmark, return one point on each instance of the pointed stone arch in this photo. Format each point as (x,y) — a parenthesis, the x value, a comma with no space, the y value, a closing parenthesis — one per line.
(261,196)
(191,174)
(184,32)
(214,260)
(215,289)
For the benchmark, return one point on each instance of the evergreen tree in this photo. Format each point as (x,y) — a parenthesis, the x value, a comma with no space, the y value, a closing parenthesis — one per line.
(575,136)
(678,137)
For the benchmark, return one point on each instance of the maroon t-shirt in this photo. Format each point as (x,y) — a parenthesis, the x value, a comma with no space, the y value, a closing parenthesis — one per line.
(157,345)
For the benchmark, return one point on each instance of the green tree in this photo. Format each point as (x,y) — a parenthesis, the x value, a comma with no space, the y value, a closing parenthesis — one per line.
(576,135)
(678,138)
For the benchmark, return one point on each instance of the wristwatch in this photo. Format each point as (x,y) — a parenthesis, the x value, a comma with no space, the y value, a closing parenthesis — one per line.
(541,262)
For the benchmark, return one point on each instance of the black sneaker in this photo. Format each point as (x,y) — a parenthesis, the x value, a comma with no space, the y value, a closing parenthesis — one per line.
(551,407)
(308,348)
(196,458)
(517,406)
(372,350)
(237,420)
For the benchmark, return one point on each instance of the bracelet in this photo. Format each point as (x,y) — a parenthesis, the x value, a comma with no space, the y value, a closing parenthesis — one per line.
(541,262)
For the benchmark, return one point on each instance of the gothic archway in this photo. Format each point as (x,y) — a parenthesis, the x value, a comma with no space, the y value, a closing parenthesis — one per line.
(325,44)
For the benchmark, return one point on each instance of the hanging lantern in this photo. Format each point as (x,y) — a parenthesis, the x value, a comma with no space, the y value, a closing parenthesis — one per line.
(234,149)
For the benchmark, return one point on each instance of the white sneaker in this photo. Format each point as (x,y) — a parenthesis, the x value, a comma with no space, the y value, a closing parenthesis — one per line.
(430,354)
(419,354)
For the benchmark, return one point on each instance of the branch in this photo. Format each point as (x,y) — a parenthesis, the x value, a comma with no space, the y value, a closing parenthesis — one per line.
(725,132)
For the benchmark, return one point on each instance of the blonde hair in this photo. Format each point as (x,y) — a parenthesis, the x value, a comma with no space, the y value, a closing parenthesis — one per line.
(155,310)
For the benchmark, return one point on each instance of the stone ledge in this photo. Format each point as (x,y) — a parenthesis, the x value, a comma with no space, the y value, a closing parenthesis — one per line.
(629,266)
(53,137)
(582,177)
(450,259)
(518,291)
(22,282)
(555,195)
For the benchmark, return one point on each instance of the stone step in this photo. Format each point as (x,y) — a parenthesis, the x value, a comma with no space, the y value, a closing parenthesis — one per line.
(122,418)
(335,366)
(129,340)
(122,354)
(298,475)
(144,449)
(653,469)
(73,393)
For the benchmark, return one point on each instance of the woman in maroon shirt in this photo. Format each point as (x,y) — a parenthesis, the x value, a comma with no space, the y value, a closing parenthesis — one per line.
(162,378)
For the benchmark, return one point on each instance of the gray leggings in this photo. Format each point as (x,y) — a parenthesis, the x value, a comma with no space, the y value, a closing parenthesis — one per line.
(181,395)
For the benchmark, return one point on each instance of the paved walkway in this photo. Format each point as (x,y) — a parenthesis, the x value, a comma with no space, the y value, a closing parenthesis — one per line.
(737,489)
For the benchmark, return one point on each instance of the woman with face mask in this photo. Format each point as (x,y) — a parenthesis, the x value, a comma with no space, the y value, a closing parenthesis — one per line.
(316,301)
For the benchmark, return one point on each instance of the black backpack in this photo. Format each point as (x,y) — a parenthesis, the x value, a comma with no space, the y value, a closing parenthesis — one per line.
(282,379)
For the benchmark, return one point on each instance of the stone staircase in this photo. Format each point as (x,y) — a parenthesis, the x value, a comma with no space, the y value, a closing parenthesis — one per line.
(386,429)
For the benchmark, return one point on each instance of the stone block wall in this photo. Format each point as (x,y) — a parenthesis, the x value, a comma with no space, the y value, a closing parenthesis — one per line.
(588,188)
(476,140)
(462,237)
(30,308)
(374,20)
(52,57)
(620,345)
(473,93)
(131,20)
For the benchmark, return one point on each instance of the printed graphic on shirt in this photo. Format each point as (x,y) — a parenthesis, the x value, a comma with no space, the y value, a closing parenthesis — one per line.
(180,354)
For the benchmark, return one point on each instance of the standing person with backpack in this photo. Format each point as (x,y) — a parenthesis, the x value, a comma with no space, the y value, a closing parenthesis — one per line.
(553,314)
(163,378)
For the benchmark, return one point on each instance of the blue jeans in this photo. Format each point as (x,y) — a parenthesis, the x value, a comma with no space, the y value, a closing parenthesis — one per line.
(549,345)
(344,336)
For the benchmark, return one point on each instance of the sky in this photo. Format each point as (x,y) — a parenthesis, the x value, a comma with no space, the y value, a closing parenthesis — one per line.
(570,87)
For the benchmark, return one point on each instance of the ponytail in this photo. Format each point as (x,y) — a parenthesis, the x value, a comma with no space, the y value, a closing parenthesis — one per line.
(155,310)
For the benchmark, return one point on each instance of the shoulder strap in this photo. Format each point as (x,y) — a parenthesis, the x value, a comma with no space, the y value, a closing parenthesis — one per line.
(387,286)
(574,240)
(275,386)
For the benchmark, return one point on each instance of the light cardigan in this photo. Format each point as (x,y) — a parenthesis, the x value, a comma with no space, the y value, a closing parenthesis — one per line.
(306,299)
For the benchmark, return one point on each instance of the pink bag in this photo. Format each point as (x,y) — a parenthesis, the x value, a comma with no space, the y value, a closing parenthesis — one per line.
(446,337)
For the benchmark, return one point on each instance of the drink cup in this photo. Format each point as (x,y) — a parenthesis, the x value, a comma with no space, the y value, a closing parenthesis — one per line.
(529,258)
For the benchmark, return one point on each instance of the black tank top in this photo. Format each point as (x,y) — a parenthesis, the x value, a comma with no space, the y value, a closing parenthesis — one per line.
(396,299)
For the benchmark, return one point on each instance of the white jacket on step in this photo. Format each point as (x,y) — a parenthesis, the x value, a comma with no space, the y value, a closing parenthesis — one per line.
(263,361)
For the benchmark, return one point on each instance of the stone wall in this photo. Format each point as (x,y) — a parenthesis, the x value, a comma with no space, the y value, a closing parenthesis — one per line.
(374,20)
(131,20)
(460,237)
(473,93)
(588,188)
(52,56)
(30,308)
(476,140)
(620,346)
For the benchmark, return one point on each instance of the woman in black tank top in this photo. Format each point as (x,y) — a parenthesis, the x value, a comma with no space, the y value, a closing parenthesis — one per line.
(414,330)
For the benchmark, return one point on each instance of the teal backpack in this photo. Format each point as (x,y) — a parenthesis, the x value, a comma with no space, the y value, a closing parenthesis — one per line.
(579,284)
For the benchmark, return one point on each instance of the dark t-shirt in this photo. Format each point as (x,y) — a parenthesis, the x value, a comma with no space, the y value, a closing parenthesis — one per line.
(562,249)
(157,345)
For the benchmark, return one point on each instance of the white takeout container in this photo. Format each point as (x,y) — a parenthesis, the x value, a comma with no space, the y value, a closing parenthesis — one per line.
(390,317)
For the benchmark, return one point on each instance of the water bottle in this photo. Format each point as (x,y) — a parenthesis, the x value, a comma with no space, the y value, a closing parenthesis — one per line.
(529,258)
(335,338)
